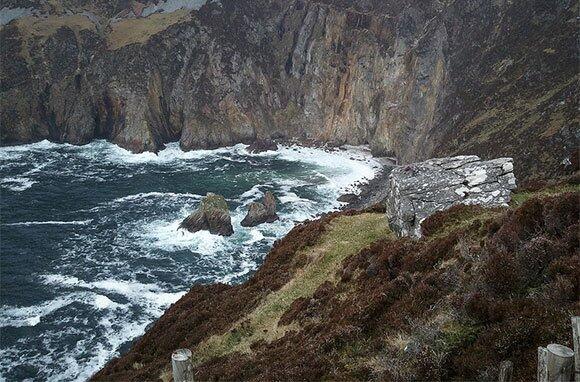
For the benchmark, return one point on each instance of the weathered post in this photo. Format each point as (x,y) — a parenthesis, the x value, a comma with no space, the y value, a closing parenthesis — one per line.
(182,366)
(555,363)
(576,339)
(506,371)
(542,364)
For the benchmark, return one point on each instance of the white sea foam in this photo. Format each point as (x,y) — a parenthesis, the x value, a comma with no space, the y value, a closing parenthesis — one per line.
(61,279)
(255,236)
(117,323)
(32,315)
(291,197)
(17,184)
(253,193)
(103,302)
(167,236)
(116,332)
(123,307)
(36,146)
(342,168)
(172,153)
(52,222)
(145,195)
(151,295)
(246,267)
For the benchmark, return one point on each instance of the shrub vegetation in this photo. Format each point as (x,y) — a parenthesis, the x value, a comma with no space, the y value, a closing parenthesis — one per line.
(341,299)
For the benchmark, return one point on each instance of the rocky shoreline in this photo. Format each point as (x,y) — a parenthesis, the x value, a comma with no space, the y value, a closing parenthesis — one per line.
(373,191)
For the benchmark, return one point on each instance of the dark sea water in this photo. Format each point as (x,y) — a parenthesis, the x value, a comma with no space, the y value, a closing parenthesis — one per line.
(90,253)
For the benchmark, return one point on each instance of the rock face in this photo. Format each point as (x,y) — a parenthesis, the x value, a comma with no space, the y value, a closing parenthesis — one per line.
(259,213)
(414,79)
(262,145)
(212,215)
(418,190)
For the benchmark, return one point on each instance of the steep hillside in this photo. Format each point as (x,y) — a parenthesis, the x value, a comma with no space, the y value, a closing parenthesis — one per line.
(341,299)
(416,79)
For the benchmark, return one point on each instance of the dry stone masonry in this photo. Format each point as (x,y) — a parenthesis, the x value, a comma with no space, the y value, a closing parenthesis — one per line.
(418,190)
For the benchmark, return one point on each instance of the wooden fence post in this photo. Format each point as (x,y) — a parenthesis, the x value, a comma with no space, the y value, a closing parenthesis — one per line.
(506,371)
(542,364)
(182,366)
(576,339)
(555,363)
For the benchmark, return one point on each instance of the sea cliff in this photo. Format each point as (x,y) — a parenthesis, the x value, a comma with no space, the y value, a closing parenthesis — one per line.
(414,80)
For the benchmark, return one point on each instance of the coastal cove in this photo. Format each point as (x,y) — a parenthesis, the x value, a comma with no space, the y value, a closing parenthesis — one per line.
(91,250)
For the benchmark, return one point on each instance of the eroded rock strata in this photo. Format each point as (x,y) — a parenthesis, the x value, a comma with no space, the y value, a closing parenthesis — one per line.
(413,79)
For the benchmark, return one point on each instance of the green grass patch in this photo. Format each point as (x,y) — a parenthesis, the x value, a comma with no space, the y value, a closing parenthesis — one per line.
(139,31)
(457,335)
(458,217)
(520,197)
(345,236)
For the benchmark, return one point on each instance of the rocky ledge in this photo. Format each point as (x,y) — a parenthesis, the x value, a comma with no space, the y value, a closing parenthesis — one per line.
(212,215)
(416,191)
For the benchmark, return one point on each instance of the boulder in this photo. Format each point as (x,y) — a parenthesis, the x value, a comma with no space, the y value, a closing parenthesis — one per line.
(418,190)
(347,198)
(259,213)
(261,145)
(212,215)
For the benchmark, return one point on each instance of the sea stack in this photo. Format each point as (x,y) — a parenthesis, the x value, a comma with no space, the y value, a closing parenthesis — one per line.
(259,213)
(212,215)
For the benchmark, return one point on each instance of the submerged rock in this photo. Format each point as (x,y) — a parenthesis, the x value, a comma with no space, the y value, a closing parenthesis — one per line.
(259,213)
(418,190)
(261,145)
(212,215)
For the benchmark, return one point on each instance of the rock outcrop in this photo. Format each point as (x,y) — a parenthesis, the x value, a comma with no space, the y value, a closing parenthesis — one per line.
(414,79)
(262,145)
(259,213)
(212,215)
(347,198)
(418,190)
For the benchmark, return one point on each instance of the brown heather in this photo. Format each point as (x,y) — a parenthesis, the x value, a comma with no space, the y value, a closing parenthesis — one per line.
(481,287)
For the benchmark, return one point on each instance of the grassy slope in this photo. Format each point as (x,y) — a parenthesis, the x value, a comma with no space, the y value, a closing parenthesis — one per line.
(340,298)
(119,34)
(139,31)
(345,236)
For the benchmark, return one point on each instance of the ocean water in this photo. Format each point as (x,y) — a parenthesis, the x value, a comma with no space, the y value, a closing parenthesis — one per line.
(90,253)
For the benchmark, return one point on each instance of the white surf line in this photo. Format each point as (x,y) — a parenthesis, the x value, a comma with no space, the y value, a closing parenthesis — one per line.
(51,222)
